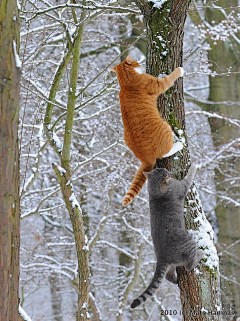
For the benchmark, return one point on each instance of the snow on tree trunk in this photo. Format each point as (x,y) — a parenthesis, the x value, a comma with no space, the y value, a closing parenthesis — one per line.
(200,291)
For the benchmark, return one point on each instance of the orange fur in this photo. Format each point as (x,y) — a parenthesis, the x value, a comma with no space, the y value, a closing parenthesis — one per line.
(145,132)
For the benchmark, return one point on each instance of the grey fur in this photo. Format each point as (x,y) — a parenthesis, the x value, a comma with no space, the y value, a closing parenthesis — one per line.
(172,244)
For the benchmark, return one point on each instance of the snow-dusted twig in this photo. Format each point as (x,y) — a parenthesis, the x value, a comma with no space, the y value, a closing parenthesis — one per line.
(119,249)
(198,100)
(130,285)
(23,314)
(229,246)
(41,94)
(98,231)
(94,307)
(220,152)
(94,156)
(228,119)
(137,230)
(94,7)
(230,280)
(36,209)
(229,200)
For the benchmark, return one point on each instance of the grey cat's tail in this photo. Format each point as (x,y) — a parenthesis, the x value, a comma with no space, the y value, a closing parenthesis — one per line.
(153,286)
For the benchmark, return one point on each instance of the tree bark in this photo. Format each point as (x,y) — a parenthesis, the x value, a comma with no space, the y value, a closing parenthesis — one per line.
(81,242)
(64,173)
(9,161)
(225,55)
(200,292)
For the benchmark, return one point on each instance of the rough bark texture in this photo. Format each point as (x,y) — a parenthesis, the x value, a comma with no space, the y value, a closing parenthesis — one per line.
(9,163)
(164,53)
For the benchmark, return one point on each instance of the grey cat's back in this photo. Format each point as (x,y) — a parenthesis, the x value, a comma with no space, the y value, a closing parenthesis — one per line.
(166,208)
(166,199)
(172,244)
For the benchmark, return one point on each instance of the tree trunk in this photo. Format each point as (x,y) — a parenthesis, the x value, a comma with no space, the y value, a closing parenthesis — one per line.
(64,173)
(9,161)
(225,55)
(200,292)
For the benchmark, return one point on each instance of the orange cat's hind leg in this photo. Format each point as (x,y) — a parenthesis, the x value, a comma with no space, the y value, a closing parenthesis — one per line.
(165,142)
(137,183)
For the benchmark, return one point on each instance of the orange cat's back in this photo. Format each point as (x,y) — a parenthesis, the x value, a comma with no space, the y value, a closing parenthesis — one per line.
(145,132)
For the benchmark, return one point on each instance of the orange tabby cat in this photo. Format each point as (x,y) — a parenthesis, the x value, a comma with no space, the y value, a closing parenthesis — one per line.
(145,132)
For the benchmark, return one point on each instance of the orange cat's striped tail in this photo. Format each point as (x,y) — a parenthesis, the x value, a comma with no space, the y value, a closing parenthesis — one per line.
(137,183)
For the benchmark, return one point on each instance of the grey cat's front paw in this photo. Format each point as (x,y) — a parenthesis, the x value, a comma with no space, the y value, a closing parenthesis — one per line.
(171,275)
(193,169)
(171,278)
(198,256)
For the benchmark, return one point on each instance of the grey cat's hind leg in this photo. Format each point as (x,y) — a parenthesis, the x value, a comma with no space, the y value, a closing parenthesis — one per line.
(171,274)
(191,264)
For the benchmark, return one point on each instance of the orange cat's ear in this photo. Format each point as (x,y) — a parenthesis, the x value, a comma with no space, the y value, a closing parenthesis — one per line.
(113,69)
(129,59)
(147,174)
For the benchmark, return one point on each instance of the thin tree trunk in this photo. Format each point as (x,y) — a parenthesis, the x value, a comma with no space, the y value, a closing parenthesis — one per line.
(81,241)
(64,173)
(9,161)
(199,292)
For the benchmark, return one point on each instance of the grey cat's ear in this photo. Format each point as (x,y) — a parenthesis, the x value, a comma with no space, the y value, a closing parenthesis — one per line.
(147,174)
(167,179)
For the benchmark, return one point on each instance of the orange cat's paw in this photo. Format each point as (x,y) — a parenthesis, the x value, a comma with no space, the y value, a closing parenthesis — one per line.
(127,199)
(181,71)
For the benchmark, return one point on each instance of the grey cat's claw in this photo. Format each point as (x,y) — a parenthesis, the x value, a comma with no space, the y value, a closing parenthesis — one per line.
(171,274)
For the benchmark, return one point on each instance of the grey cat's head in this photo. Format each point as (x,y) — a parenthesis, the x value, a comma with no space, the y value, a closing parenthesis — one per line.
(158,180)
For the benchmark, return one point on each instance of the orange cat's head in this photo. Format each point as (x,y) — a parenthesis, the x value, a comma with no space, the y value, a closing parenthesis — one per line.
(127,63)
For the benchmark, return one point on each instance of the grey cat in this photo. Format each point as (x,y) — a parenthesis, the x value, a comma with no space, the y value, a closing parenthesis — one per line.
(172,244)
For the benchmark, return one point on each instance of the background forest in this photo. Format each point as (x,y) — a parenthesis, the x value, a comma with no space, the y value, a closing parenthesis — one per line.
(70,115)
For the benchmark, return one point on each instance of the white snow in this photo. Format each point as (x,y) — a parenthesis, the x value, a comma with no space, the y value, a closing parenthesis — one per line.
(17,59)
(176,148)
(204,237)
(158,3)
(61,170)
(138,70)
(164,53)
(30,178)
(74,201)
(57,142)
(182,71)
(86,247)
(18,5)
(23,314)
(40,135)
